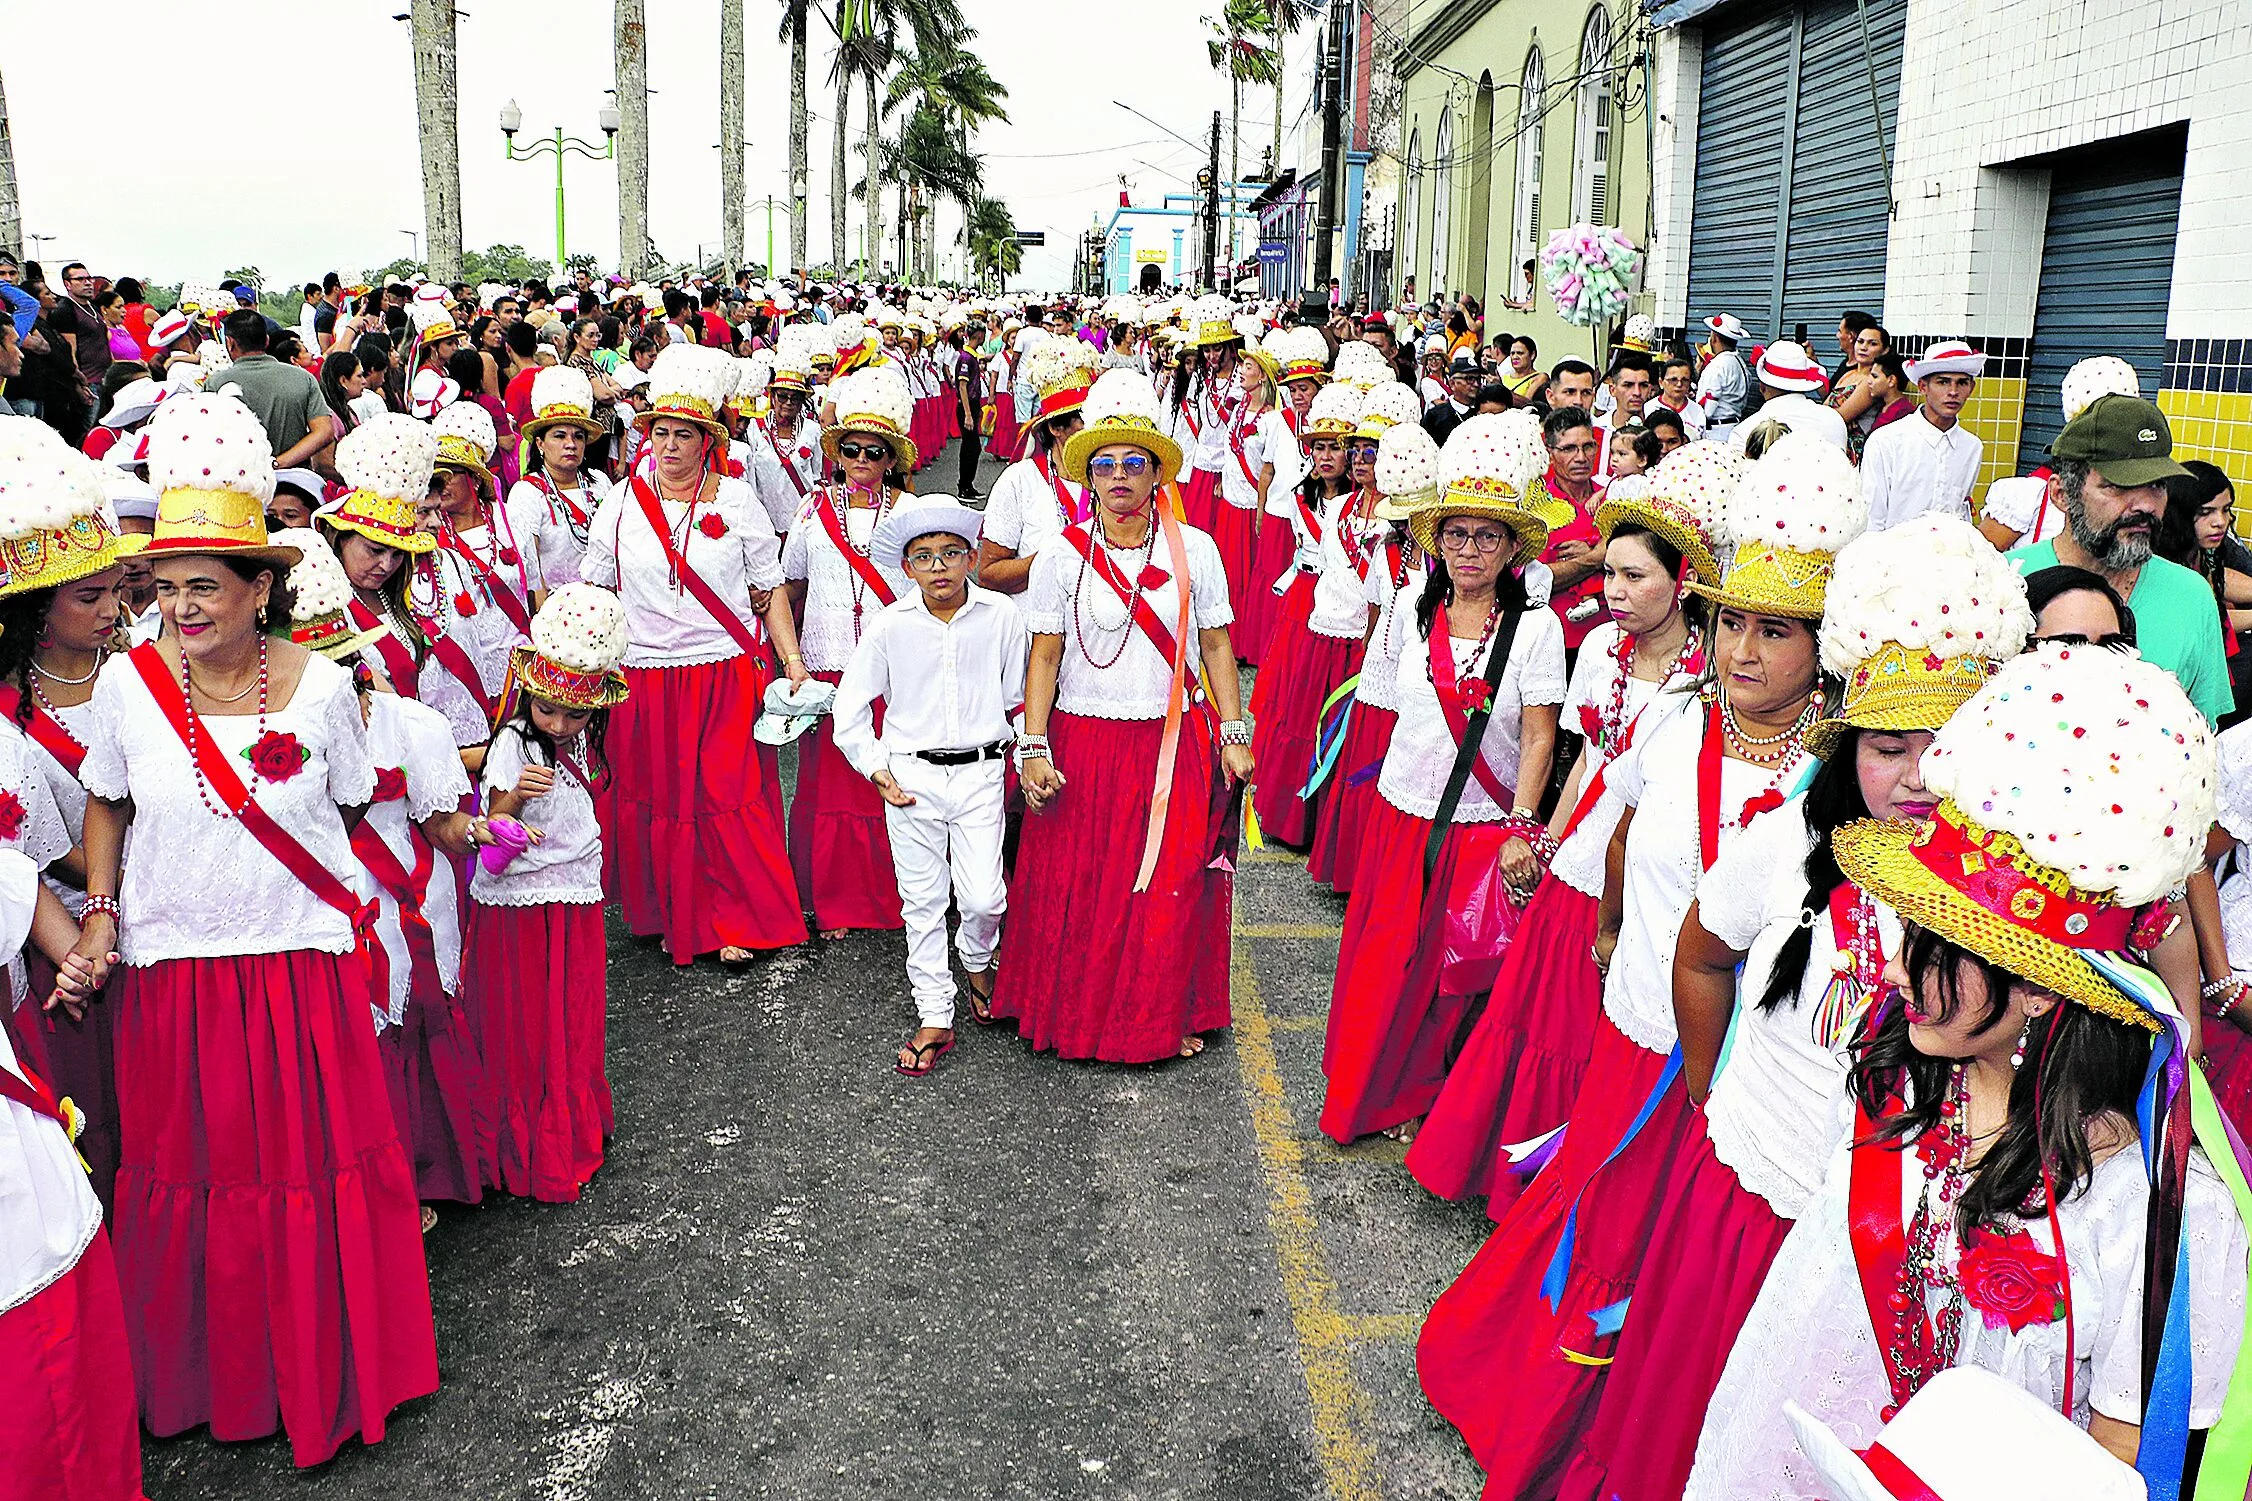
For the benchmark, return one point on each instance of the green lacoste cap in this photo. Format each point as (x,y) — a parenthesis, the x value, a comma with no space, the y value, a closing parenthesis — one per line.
(2123,438)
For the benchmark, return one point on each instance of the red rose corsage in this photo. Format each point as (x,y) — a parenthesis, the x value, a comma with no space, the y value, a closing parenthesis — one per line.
(734,468)
(275,756)
(2010,1281)
(713,525)
(464,605)
(508,557)
(11,815)
(390,784)
(1591,723)
(1771,798)
(1154,577)
(1476,694)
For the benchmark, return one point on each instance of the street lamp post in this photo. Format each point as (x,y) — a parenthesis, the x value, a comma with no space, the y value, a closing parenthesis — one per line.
(769,204)
(414,245)
(512,120)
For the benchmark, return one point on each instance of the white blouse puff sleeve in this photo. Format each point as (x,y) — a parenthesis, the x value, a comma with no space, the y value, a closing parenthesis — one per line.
(1064,598)
(667,626)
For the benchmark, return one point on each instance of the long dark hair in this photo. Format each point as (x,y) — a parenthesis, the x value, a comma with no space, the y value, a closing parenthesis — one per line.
(539,741)
(392,597)
(2186,495)
(1833,800)
(23,619)
(336,367)
(2080,1066)
(1438,593)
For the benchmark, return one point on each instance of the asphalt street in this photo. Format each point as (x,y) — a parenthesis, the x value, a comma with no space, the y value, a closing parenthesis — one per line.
(802,1275)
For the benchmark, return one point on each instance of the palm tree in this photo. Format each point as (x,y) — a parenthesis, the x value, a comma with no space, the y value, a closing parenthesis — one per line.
(438,123)
(943,77)
(1284,18)
(927,160)
(793,31)
(731,135)
(1234,49)
(633,138)
(11,208)
(992,236)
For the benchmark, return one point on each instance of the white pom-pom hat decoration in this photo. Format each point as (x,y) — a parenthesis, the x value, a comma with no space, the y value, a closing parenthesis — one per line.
(1334,412)
(1680,500)
(1212,319)
(1489,468)
(2076,788)
(1795,507)
(1060,372)
(690,383)
(1362,365)
(1407,469)
(874,402)
(1300,353)
(433,316)
(1121,407)
(561,394)
(387,461)
(320,597)
(578,642)
(793,360)
(1387,405)
(1916,619)
(2099,375)
(54,526)
(751,378)
(213,472)
(466,439)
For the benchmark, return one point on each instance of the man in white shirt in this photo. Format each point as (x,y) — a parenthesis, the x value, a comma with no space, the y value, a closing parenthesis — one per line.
(1724,387)
(1631,388)
(948,661)
(1927,462)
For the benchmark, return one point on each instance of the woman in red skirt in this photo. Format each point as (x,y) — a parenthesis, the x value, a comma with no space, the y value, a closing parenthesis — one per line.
(1916,618)
(535,955)
(1521,1068)
(1259,455)
(268,1239)
(1479,669)
(838,845)
(1032,502)
(1118,937)
(1405,474)
(1007,441)
(1496,1352)
(692,833)
(1205,392)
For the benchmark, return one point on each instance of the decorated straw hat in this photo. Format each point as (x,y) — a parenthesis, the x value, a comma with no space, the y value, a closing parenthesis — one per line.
(1387,405)
(793,361)
(2076,787)
(213,470)
(54,526)
(1488,469)
(823,347)
(1124,309)
(1407,469)
(466,439)
(1968,1435)
(1362,365)
(560,395)
(1795,506)
(1641,333)
(874,402)
(1121,408)
(321,599)
(578,642)
(386,463)
(1061,371)
(1211,319)
(1334,412)
(433,318)
(2099,375)
(1683,502)
(1917,618)
(690,383)
(751,378)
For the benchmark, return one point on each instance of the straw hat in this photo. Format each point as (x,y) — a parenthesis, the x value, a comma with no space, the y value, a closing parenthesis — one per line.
(320,599)
(1334,412)
(1299,354)
(793,361)
(1916,620)
(2076,787)
(1796,505)
(54,525)
(1061,371)
(387,462)
(578,642)
(1683,503)
(874,402)
(466,439)
(214,472)
(1407,469)
(1387,405)
(690,383)
(433,318)
(1121,408)
(560,395)
(751,378)
(1211,319)
(1488,469)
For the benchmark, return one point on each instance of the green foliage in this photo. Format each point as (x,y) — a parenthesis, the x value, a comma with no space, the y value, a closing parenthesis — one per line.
(250,274)
(1235,49)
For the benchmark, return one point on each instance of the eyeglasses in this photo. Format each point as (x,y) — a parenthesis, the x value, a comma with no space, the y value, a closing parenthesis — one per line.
(1134,465)
(1462,539)
(2113,640)
(930,562)
(1361,451)
(847,450)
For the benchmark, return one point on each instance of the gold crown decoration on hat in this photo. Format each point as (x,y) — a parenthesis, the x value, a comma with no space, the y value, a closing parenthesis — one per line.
(560,395)
(213,471)
(874,401)
(387,463)
(1334,412)
(578,641)
(1489,467)
(1794,508)
(51,507)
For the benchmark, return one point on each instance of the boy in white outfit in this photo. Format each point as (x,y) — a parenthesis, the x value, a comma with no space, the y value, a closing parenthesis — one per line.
(948,661)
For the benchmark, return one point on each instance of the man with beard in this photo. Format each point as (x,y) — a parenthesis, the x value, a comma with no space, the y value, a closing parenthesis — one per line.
(1927,462)
(2109,471)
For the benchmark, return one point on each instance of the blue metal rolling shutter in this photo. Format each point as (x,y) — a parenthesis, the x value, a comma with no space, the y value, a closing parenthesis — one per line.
(1740,119)
(1841,194)
(2107,267)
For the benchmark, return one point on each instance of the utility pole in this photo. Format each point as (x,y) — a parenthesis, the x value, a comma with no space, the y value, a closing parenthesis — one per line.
(1332,82)
(11,209)
(1212,210)
(633,139)
(438,129)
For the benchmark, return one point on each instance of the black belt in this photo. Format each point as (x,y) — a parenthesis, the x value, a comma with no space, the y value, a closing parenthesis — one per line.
(997,751)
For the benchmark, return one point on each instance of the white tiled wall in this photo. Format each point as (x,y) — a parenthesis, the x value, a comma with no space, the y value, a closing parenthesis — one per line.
(1677,63)
(1989,84)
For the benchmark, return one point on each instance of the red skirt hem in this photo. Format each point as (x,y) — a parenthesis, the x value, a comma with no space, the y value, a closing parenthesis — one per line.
(2230,1076)
(1341,822)
(840,847)
(68,1431)
(537,988)
(1200,498)
(431,1065)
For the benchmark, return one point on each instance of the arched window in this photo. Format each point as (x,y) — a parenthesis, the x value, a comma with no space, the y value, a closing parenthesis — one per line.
(1591,138)
(1442,199)
(1412,197)
(1525,236)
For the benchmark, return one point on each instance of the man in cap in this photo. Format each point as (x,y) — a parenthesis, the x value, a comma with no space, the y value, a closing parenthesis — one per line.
(2108,475)
(1464,377)
(1724,386)
(1927,462)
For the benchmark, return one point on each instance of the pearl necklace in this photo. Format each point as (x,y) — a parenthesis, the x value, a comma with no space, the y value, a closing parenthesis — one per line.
(1755,748)
(55,677)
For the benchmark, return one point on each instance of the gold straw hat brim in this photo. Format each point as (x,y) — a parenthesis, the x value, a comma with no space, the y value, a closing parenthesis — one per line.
(1610,515)
(1090,440)
(1767,584)
(903,455)
(1530,528)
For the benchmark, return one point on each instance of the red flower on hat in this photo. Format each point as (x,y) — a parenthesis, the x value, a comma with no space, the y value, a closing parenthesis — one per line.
(2010,1280)
(11,815)
(390,784)
(276,756)
(713,525)
(464,606)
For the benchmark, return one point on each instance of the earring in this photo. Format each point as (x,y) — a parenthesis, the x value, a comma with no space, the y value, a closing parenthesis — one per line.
(2017,1054)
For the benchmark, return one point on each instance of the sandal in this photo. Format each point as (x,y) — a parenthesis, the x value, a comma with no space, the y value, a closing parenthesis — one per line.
(981,1001)
(429,1219)
(935,1050)
(1191,1045)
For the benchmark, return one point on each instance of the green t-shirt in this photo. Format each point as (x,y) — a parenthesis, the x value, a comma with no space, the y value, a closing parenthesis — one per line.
(2177,625)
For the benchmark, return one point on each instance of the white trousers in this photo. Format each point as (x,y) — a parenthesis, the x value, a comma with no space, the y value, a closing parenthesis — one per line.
(948,842)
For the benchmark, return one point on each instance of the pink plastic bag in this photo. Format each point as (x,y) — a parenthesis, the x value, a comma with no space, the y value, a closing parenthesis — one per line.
(1480,915)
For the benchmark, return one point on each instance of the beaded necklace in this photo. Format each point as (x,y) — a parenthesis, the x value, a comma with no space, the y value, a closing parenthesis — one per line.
(1916,1350)
(840,503)
(1613,717)
(1133,577)
(1769,750)
(47,705)
(195,724)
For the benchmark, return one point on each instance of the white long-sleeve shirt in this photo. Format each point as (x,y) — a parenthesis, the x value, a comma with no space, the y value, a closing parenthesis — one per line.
(946,684)
(1722,390)
(1911,467)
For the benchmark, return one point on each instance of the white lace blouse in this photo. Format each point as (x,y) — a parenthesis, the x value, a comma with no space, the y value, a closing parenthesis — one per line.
(69,794)
(196,885)
(1341,604)
(1808,1338)
(1268,441)
(734,554)
(1423,746)
(1111,669)
(1023,513)
(437,591)
(553,540)
(838,602)
(801,452)
(48,1212)
(411,740)
(31,824)
(1381,666)
(1579,861)
(566,865)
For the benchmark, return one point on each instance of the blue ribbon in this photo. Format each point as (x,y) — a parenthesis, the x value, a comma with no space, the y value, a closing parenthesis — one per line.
(1560,1264)
(1611,1319)
(1329,745)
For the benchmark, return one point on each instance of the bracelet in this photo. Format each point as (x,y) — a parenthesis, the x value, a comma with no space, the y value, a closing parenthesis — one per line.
(2222,1010)
(2212,988)
(103,904)
(1595,957)
(1235,731)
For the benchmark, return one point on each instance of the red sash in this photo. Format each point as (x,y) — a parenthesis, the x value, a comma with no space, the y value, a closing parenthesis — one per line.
(496,587)
(31,1092)
(1236,435)
(704,594)
(1458,714)
(1074,512)
(398,660)
(555,497)
(409,890)
(789,469)
(1708,789)
(256,821)
(1880,1244)
(1895,1476)
(1081,538)
(44,728)
(858,561)
(1311,516)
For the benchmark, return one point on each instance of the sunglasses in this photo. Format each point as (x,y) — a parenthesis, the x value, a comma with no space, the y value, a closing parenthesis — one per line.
(2114,640)
(1133,465)
(850,450)
(1361,451)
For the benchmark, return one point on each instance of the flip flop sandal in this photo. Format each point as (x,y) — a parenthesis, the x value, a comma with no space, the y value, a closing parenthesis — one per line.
(937,1050)
(981,1006)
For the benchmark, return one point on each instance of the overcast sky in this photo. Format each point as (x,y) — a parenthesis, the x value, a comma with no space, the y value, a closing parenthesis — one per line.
(290,145)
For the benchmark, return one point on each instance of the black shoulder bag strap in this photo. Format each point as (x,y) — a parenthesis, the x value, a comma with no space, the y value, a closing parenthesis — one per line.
(1473,734)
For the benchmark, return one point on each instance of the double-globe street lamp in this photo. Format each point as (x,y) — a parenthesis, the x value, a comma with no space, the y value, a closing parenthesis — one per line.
(512,120)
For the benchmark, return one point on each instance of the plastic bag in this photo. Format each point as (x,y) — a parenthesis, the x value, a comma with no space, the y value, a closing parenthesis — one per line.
(1481,917)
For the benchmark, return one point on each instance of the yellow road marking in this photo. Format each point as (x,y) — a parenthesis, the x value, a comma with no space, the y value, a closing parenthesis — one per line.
(1287,930)
(1326,1335)
(1300,1022)
(1377,1328)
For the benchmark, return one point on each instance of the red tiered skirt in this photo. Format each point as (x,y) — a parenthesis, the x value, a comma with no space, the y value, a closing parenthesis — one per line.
(840,849)
(1341,822)
(268,1242)
(81,1062)
(692,839)
(1235,532)
(1301,671)
(929,430)
(1521,1068)
(1490,1355)
(2230,1076)
(1709,1253)
(67,1429)
(1200,498)
(1259,610)
(1006,434)
(537,988)
(431,1063)
(1090,968)
(1392,1032)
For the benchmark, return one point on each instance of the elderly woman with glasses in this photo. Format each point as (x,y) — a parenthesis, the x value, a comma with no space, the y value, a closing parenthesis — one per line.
(1117,946)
